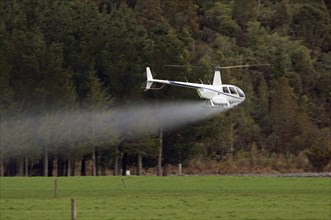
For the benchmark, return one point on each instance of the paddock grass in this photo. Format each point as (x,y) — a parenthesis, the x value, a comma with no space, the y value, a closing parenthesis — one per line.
(178,197)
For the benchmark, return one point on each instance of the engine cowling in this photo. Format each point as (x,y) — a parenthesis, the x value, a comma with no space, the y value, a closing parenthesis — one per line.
(220,101)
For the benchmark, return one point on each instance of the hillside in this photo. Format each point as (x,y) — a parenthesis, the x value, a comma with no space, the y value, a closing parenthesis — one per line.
(65,59)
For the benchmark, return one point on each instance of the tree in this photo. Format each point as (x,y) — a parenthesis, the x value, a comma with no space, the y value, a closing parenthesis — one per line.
(125,55)
(57,81)
(180,15)
(274,14)
(282,117)
(60,96)
(311,23)
(97,100)
(260,103)
(27,54)
(56,55)
(149,13)
(244,11)
(319,153)
(219,19)
(6,90)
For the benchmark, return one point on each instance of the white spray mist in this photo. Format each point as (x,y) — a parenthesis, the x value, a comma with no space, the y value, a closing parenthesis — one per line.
(95,126)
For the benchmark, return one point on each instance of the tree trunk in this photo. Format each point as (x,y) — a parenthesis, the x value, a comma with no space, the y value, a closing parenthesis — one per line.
(180,169)
(68,167)
(40,167)
(83,167)
(45,161)
(159,158)
(165,169)
(60,167)
(117,160)
(232,139)
(26,172)
(2,167)
(139,164)
(73,168)
(12,167)
(96,163)
(103,171)
(94,167)
(116,167)
(50,165)
(20,166)
(124,164)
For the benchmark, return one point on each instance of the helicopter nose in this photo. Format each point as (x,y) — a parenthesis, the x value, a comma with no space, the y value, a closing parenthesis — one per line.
(242,98)
(241,93)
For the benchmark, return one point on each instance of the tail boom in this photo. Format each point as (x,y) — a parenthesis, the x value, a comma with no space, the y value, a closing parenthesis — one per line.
(150,81)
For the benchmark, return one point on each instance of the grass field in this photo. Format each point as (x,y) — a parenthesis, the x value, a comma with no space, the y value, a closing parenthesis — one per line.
(180,197)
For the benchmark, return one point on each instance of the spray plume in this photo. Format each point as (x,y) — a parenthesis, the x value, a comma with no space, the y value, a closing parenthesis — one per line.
(79,127)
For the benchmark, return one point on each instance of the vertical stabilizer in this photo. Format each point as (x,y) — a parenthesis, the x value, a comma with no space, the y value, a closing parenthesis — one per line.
(149,78)
(217,77)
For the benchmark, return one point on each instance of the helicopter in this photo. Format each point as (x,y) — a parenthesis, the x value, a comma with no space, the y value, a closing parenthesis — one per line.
(217,94)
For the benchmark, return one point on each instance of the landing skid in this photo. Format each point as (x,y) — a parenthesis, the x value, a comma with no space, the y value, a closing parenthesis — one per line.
(211,104)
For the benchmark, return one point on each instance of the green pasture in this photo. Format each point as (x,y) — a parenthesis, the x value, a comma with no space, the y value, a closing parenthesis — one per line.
(178,197)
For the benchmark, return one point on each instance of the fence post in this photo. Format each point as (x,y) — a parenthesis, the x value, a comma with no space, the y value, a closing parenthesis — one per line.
(124,184)
(55,187)
(73,209)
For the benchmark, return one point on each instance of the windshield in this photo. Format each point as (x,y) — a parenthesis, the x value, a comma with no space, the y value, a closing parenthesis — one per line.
(240,92)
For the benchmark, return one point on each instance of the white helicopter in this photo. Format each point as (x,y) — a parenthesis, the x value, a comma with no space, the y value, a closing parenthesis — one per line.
(217,95)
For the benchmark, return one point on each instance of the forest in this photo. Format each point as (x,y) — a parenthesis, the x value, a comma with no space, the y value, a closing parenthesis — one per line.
(60,59)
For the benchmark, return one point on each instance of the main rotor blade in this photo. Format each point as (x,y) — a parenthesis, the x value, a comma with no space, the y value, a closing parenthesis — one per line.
(217,67)
(241,66)
(175,65)
(183,66)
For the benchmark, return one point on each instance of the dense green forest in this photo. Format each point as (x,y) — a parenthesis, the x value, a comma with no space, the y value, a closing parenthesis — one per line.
(59,56)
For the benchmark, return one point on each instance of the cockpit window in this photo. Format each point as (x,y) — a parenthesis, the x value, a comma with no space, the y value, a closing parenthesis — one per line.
(233,90)
(225,89)
(241,94)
